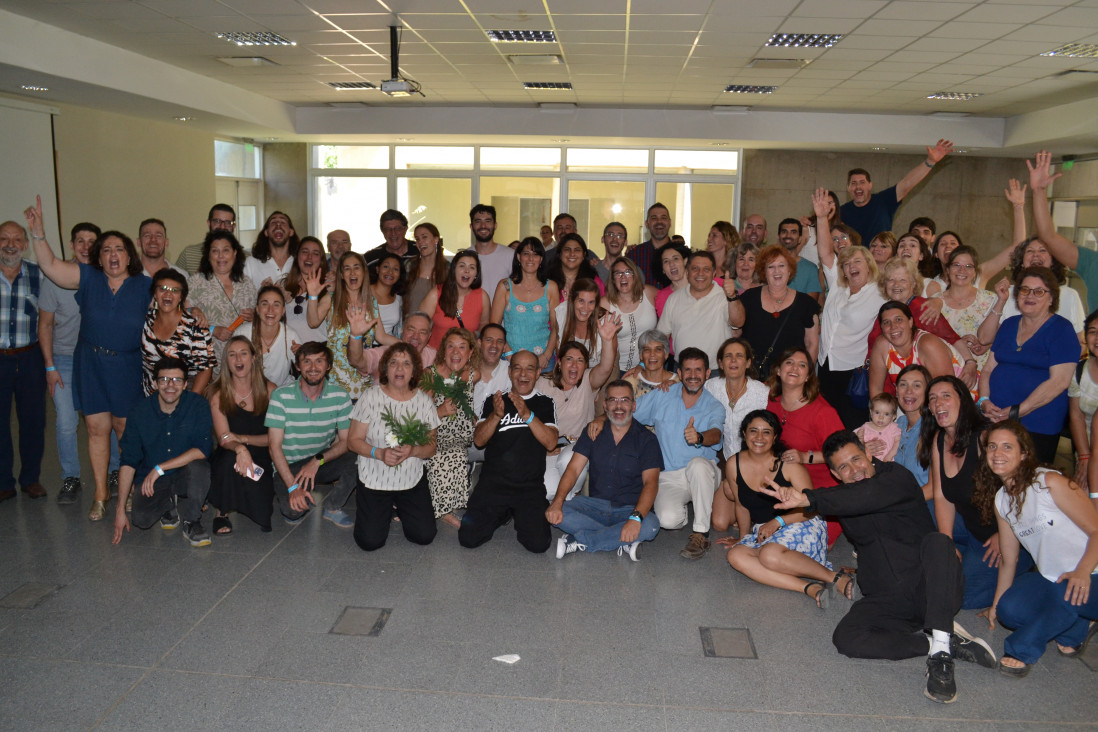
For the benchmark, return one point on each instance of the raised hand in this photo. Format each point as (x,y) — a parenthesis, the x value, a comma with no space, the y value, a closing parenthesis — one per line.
(939,151)
(1040,171)
(1002,289)
(520,404)
(313,285)
(1015,193)
(821,202)
(609,327)
(356,319)
(33,215)
(690,434)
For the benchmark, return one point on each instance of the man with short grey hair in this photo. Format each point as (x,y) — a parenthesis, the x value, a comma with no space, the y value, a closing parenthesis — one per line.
(339,243)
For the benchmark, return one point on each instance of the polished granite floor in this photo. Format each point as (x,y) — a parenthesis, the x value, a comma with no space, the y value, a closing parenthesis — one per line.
(154,634)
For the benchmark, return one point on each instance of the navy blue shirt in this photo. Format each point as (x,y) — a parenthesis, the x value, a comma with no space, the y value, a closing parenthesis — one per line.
(152,437)
(872,218)
(616,468)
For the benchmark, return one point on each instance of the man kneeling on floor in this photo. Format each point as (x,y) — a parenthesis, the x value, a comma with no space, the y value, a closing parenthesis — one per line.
(166,446)
(909,573)
(625,463)
(516,430)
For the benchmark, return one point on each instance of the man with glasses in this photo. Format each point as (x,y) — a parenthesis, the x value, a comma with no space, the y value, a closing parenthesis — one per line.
(394,227)
(166,447)
(625,464)
(152,237)
(495,260)
(614,240)
(221,218)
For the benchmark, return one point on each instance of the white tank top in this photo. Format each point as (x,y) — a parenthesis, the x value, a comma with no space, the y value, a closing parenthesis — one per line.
(1051,538)
(632,325)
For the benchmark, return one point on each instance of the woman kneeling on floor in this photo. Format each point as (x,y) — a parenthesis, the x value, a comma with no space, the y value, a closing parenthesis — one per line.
(783,548)
(1050,516)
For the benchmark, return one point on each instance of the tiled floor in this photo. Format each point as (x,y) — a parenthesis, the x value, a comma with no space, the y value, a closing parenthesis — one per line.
(153,634)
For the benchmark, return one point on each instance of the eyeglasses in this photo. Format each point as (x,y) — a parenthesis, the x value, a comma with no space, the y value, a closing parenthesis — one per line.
(173,290)
(613,235)
(840,237)
(1038,291)
(623,274)
(960,266)
(619,400)
(222,224)
(173,380)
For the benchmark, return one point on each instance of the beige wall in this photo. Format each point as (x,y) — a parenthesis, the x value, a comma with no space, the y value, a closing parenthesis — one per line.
(285,183)
(962,193)
(116,170)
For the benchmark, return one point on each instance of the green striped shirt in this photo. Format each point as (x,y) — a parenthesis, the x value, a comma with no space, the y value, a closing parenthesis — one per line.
(308,426)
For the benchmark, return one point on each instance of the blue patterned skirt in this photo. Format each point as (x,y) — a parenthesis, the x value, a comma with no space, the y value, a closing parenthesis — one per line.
(807,537)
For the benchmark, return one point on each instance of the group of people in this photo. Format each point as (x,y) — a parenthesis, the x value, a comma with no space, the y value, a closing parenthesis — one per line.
(723,387)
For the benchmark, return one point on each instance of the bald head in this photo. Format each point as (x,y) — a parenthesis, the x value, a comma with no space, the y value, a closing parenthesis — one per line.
(754,229)
(339,243)
(13,242)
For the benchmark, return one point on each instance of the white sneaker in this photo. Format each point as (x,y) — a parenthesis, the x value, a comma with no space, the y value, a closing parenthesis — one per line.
(567,544)
(630,550)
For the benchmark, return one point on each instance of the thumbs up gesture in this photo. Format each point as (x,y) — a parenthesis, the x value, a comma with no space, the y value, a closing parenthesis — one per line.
(690,434)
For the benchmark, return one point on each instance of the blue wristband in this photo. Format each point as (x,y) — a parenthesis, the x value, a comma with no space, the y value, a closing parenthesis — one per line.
(355,338)
(981,400)
(530,418)
(636,518)
(51,368)
(313,297)
(159,470)
(292,488)
(372,450)
(781,522)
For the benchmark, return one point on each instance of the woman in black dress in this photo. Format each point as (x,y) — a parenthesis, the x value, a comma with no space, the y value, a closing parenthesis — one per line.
(238,401)
(778,317)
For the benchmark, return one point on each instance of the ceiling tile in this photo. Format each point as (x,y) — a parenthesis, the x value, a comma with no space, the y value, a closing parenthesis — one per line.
(1053,35)
(975,30)
(905,10)
(838,8)
(1004,13)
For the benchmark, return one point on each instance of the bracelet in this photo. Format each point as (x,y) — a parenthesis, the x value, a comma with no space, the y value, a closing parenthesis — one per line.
(312,297)
(159,470)
(225,436)
(781,522)
(998,313)
(355,338)
(292,488)
(530,418)
(373,449)
(36,237)
(1013,413)
(981,400)
(1094,495)
(635,518)
(1084,457)
(50,368)
(928,164)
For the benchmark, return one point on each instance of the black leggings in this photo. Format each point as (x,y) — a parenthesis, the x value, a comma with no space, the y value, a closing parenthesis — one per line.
(374,515)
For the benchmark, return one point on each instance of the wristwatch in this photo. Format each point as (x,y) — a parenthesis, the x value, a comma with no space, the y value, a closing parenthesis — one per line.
(701,440)
(319,457)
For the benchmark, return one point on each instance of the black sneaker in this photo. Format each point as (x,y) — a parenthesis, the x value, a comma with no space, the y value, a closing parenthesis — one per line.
(195,534)
(940,686)
(112,483)
(70,491)
(170,520)
(966,647)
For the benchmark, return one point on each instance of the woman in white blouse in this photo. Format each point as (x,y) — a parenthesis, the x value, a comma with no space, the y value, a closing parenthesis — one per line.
(634,301)
(393,476)
(853,301)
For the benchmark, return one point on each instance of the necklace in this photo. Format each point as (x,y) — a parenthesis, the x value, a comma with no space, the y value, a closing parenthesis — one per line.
(733,398)
(242,400)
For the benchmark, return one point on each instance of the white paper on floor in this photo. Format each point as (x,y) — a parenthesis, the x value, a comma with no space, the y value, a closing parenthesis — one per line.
(508,658)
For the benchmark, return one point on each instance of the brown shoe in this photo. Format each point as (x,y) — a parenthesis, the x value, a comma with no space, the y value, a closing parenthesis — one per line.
(7,495)
(696,547)
(34,490)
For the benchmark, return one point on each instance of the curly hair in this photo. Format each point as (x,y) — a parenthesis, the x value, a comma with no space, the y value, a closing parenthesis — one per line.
(906,265)
(133,269)
(387,357)
(766,255)
(774,423)
(1017,257)
(205,267)
(470,340)
(987,483)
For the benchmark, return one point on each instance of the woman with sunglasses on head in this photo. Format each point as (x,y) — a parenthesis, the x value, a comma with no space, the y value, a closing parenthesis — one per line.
(274,340)
(310,258)
(221,289)
(113,296)
(171,331)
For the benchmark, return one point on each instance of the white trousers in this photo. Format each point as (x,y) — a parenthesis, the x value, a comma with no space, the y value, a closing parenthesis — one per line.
(555,465)
(697,482)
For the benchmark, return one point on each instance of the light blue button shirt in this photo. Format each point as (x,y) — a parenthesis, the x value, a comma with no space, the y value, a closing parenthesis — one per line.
(666,412)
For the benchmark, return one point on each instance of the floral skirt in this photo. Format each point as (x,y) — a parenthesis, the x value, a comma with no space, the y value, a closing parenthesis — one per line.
(807,537)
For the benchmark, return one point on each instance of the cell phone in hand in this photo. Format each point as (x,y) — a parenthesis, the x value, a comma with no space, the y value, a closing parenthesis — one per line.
(255,472)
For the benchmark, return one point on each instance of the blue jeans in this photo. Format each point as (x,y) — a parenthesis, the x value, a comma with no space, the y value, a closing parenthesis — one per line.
(68,421)
(980,579)
(1037,611)
(596,523)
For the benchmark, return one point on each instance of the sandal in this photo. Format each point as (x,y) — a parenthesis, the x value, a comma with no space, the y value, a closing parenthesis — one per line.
(1082,647)
(822,597)
(849,590)
(222,526)
(1014,671)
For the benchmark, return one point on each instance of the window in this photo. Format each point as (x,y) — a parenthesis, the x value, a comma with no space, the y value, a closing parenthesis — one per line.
(352,204)
(351,156)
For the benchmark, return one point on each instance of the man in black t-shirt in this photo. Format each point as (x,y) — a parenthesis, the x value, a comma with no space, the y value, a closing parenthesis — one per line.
(516,430)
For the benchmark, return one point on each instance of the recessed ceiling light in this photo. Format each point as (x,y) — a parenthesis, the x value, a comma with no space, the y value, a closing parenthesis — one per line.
(255,38)
(34,88)
(720,144)
(1075,50)
(243,61)
(556,85)
(350,85)
(183,119)
(804,40)
(878,148)
(750,89)
(954,96)
(522,36)
(535,59)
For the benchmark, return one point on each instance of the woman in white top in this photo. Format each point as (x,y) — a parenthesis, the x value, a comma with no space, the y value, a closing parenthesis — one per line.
(272,338)
(738,389)
(392,475)
(572,388)
(578,318)
(634,301)
(1083,405)
(1050,516)
(310,259)
(851,308)
(387,287)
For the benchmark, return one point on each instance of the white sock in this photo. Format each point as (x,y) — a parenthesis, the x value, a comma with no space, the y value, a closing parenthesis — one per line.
(939,642)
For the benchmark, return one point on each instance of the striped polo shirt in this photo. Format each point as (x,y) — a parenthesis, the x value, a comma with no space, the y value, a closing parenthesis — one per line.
(308,426)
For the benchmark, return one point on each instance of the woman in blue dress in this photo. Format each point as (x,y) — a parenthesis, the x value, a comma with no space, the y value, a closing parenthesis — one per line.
(113,296)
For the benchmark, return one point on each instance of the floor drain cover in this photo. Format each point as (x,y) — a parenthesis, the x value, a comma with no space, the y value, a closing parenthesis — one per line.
(27,596)
(727,643)
(362,621)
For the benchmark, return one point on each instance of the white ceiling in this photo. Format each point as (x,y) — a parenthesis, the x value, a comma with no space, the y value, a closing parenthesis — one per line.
(619,54)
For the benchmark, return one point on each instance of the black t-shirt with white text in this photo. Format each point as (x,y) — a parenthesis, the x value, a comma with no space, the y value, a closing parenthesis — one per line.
(513,454)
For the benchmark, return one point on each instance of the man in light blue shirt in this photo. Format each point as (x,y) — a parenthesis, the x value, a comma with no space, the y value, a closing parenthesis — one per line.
(689,425)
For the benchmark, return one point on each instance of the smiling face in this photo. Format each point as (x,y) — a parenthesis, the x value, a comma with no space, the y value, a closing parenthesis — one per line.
(754,229)
(944,405)
(416,331)
(314,368)
(113,257)
(339,243)
(1092,337)
(12,245)
(897,327)
(700,273)
(239,358)
(354,276)
(899,286)
(563,226)
(456,353)
(1004,453)
(309,256)
(881,250)
(426,242)
(794,371)
(81,246)
(169,386)
(484,227)
(529,260)
(388,272)
(614,240)
(221,221)
(840,239)
(222,257)
(716,243)
(394,231)
(492,344)
(692,373)
(908,248)
(622,277)
(856,270)
(270,308)
(759,437)
(911,392)
(1036,255)
(674,268)
(1033,297)
(860,189)
(465,272)
(777,272)
(584,305)
(619,405)
(572,366)
(653,356)
(850,464)
(789,235)
(658,223)
(745,266)
(962,272)
(571,254)
(946,244)
(278,230)
(168,295)
(734,362)
(523,372)
(153,241)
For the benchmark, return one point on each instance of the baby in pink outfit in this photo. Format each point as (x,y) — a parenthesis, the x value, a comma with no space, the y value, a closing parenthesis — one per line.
(882,425)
